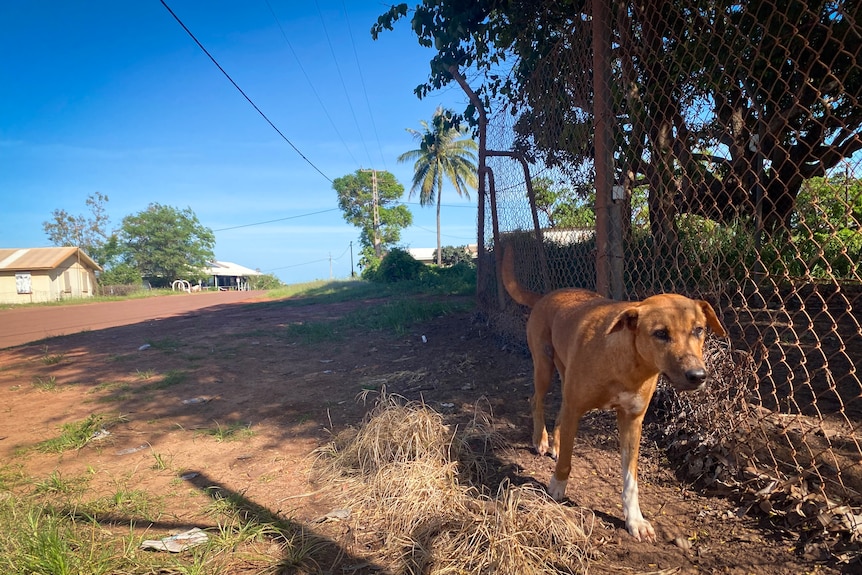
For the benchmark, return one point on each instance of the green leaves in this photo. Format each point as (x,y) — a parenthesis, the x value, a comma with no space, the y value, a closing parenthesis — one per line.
(356,200)
(164,243)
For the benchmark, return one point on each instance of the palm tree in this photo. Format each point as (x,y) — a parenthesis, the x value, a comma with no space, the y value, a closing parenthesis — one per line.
(444,151)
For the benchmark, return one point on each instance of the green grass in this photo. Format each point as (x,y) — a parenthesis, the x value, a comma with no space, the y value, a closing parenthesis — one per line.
(231,432)
(395,316)
(45,383)
(161,462)
(435,282)
(57,484)
(43,533)
(77,434)
(52,358)
(170,379)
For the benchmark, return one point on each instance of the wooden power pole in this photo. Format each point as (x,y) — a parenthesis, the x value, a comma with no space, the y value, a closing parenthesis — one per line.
(375,201)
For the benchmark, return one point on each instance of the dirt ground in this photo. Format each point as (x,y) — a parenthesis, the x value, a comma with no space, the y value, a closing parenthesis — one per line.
(179,380)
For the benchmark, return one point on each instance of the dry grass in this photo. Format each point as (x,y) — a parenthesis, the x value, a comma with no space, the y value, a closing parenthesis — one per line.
(415,489)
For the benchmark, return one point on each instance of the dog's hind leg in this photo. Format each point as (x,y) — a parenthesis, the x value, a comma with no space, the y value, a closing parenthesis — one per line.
(543,375)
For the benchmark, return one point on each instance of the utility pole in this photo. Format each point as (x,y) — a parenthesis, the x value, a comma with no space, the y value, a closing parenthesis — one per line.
(376,201)
(352,272)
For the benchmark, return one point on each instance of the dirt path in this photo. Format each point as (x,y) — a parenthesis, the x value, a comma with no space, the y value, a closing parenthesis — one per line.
(32,323)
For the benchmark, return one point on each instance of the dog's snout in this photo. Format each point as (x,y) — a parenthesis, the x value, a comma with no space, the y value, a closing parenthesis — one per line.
(696,376)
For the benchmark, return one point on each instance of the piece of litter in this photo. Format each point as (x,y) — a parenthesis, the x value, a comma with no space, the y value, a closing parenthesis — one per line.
(447,405)
(101,434)
(143,347)
(131,450)
(424,339)
(336,515)
(179,542)
(188,476)
(195,400)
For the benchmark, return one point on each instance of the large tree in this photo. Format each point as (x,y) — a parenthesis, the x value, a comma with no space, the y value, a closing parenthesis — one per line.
(723,107)
(356,198)
(165,243)
(88,232)
(444,153)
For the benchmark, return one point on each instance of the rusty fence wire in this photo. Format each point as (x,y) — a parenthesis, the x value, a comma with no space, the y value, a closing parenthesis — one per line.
(728,168)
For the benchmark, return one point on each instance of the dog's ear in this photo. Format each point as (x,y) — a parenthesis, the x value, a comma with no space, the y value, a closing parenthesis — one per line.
(712,319)
(625,319)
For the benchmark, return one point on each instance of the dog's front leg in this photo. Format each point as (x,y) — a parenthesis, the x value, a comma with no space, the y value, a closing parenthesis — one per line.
(630,438)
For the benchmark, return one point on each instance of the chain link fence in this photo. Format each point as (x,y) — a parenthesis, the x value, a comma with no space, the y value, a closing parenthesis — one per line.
(709,149)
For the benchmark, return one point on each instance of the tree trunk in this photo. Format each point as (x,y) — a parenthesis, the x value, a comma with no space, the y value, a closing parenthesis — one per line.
(439,254)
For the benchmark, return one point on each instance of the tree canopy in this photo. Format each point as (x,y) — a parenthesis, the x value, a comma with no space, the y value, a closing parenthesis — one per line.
(356,200)
(723,108)
(444,153)
(165,243)
(562,206)
(90,233)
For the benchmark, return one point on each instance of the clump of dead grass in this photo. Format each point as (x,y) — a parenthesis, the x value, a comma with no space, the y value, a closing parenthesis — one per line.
(417,491)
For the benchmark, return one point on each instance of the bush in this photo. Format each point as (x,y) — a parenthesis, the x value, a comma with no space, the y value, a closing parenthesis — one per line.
(264,282)
(451,255)
(398,265)
(121,274)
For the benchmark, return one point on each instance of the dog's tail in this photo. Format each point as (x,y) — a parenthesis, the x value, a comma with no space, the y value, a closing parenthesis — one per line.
(519,294)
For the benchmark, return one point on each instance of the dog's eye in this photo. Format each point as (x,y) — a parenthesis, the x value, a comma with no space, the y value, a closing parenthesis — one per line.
(697,332)
(661,334)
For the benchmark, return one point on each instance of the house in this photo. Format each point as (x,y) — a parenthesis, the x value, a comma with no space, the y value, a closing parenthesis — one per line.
(427,255)
(30,275)
(229,276)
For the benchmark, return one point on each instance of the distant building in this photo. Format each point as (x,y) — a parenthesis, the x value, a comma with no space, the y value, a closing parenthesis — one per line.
(426,255)
(31,275)
(229,276)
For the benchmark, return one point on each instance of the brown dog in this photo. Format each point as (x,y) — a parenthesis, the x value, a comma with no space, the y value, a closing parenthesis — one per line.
(609,355)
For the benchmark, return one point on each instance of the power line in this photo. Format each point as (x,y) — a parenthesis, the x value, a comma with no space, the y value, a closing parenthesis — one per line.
(311,85)
(362,81)
(276,220)
(329,210)
(442,234)
(235,85)
(328,259)
(343,84)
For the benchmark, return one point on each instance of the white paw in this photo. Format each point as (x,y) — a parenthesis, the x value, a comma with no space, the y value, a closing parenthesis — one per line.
(641,529)
(557,488)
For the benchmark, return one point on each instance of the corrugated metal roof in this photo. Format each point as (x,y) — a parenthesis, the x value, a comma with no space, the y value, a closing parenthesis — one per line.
(230,269)
(30,259)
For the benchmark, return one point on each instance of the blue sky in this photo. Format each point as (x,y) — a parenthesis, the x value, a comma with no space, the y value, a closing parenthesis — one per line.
(115,97)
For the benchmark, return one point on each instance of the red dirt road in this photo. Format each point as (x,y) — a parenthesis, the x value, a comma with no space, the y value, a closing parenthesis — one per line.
(23,325)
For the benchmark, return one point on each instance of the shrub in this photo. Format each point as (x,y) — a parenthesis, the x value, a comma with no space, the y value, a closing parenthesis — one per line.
(398,265)
(451,255)
(264,282)
(121,274)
